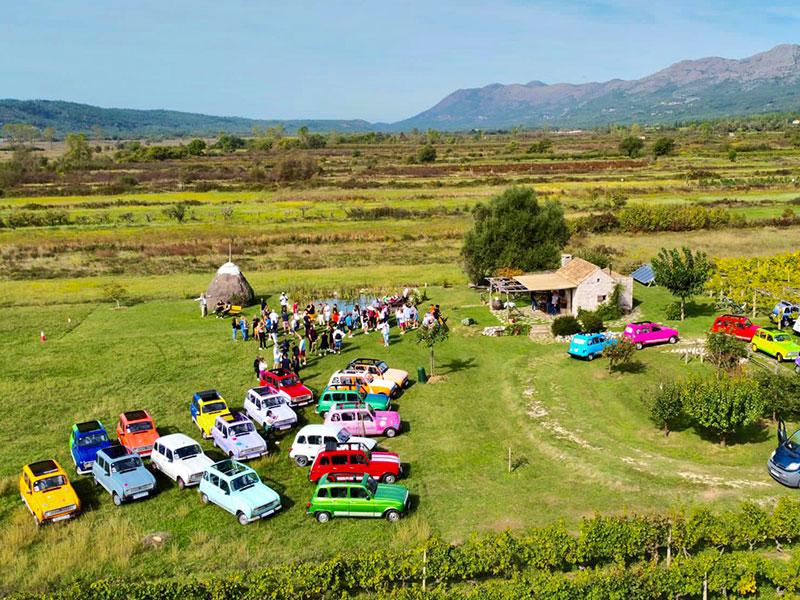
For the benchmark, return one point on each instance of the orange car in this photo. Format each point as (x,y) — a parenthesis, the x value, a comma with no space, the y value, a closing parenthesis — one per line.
(137,432)
(47,492)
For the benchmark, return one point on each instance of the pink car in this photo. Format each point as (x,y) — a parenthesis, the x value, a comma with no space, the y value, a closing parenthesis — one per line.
(359,418)
(643,333)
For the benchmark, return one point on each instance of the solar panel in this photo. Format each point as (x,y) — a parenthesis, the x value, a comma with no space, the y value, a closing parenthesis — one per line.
(135,415)
(116,451)
(88,426)
(42,467)
(644,274)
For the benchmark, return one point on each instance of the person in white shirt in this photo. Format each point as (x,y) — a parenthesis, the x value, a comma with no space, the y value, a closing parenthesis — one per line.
(326,312)
(401,321)
(276,356)
(385,330)
(284,300)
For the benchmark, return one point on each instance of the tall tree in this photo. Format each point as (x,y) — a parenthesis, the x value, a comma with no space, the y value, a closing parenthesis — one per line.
(684,274)
(513,230)
(723,406)
(78,151)
(631,146)
(48,135)
(431,336)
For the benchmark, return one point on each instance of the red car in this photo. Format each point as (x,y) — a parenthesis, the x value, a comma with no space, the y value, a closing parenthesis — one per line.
(137,432)
(288,382)
(736,325)
(381,466)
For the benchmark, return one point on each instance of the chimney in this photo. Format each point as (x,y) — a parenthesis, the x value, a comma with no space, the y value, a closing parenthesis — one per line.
(565,258)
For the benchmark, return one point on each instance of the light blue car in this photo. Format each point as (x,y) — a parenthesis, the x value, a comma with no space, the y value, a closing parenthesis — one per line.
(589,345)
(122,474)
(238,489)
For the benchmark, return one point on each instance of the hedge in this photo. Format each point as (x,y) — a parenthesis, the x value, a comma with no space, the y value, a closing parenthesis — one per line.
(626,556)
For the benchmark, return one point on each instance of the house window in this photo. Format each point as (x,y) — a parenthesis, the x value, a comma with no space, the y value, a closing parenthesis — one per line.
(601,298)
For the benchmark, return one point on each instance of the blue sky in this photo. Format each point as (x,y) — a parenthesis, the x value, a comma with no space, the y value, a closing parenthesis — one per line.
(380,60)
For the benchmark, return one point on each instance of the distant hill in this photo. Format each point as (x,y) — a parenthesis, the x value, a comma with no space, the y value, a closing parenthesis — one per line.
(68,117)
(690,89)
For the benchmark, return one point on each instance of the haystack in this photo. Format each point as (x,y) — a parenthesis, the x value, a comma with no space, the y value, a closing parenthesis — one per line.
(230,285)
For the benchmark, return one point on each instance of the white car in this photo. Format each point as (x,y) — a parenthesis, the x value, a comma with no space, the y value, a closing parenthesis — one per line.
(313,439)
(180,458)
(262,399)
(372,384)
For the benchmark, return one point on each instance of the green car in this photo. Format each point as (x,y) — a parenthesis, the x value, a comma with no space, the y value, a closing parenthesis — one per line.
(337,495)
(336,394)
(775,342)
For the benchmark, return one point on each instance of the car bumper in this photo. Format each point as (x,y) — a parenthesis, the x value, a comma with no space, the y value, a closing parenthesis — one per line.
(576,355)
(301,402)
(787,478)
(252,455)
(265,514)
(84,469)
(64,517)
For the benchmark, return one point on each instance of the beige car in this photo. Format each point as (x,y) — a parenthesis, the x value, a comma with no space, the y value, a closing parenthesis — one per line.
(378,368)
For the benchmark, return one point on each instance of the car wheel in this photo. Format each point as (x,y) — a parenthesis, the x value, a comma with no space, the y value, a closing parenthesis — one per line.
(301,461)
(673,339)
(181,483)
(230,454)
(779,357)
(36,520)
(797,369)
(323,414)
(96,482)
(590,357)
(322,516)
(203,498)
(753,347)
(389,478)
(242,518)
(639,345)
(390,433)
(392,516)
(116,498)
(214,442)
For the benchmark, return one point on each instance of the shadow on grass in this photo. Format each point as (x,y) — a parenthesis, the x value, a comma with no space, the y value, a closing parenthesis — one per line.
(754,433)
(700,310)
(635,367)
(457,364)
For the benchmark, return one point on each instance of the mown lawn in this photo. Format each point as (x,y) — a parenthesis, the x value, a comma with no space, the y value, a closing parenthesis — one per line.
(579,437)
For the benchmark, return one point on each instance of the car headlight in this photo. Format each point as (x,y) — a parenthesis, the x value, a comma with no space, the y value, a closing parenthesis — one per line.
(793,466)
(773,454)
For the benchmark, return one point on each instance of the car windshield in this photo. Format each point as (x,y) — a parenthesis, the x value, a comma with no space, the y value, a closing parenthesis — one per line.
(382,367)
(93,439)
(343,436)
(247,480)
(578,341)
(289,381)
(242,429)
(793,443)
(139,427)
(214,407)
(188,451)
(126,464)
(49,483)
(782,338)
(370,410)
(372,486)
(271,401)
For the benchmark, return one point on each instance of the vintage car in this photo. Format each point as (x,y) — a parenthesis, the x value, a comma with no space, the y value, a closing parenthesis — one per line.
(589,345)
(785,313)
(359,379)
(261,400)
(122,474)
(137,432)
(85,440)
(47,492)
(364,498)
(382,466)
(378,368)
(290,384)
(735,325)
(644,333)
(206,406)
(238,489)
(180,458)
(776,343)
(313,439)
(344,393)
(237,437)
(361,419)
(784,462)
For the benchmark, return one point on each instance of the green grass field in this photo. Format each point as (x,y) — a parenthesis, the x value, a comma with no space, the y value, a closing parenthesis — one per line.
(580,439)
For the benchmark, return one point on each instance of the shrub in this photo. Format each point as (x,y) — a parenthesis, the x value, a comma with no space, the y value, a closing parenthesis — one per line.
(725,351)
(591,322)
(176,212)
(292,168)
(565,326)
(673,311)
(663,146)
(196,147)
(631,146)
(426,154)
(619,354)
(665,405)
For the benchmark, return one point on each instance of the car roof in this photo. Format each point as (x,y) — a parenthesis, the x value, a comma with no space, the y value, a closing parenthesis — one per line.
(319,428)
(324,480)
(136,415)
(732,316)
(175,440)
(234,417)
(115,451)
(44,467)
(366,361)
(281,372)
(264,391)
(342,387)
(208,395)
(88,426)
(230,467)
(772,330)
(349,405)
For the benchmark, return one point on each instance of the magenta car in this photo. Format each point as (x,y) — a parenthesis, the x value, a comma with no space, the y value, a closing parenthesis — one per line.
(643,333)
(359,418)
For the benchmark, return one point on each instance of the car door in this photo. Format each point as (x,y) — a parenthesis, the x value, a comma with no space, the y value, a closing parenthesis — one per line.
(339,501)
(367,424)
(169,463)
(361,504)
(158,459)
(213,492)
(357,465)
(657,334)
(339,464)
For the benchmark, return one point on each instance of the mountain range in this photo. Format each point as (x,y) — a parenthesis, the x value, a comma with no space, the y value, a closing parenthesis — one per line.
(688,90)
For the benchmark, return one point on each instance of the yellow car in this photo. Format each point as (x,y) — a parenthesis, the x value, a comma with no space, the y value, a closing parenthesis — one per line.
(357,379)
(47,492)
(378,368)
(206,407)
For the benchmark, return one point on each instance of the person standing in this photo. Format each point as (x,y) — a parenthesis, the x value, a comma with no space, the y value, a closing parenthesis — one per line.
(399,316)
(313,340)
(262,335)
(235,326)
(324,341)
(257,365)
(269,427)
(243,325)
(555,301)
(285,319)
(326,313)
(295,358)
(348,321)
(338,336)
(203,305)
(262,368)
(276,356)
(263,305)
(302,349)
(385,331)
(284,300)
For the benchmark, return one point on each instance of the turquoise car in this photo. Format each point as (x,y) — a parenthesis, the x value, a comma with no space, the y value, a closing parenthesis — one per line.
(238,489)
(589,345)
(336,394)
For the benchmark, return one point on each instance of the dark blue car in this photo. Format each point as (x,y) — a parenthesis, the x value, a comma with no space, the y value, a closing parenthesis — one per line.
(84,442)
(784,464)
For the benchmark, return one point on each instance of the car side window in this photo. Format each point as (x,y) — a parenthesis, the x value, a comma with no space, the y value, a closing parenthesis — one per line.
(365,416)
(315,440)
(347,416)
(330,440)
(358,459)
(656,329)
(27,481)
(358,493)
(301,439)
(338,492)
(213,479)
(324,461)
(335,418)
(108,468)
(339,459)
(223,485)
(769,338)
(322,493)
(169,454)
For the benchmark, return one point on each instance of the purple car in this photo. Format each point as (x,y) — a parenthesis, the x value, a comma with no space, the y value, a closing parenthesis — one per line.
(236,436)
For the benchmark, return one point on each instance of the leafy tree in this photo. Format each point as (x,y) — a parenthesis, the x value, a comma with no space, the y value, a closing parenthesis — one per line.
(665,405)
(732,155)
(631,146)
(541,147)
(426,154)
(724,405)
(176,211)
(114,292)
(78,152)
(663,146)
(725,351)
(565,325)
(591,322)
(431,336)
(229,143)
(684,276)
(97,133)
(781,394)
(514,230)
(48,135)
(196,147)
(619,354)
